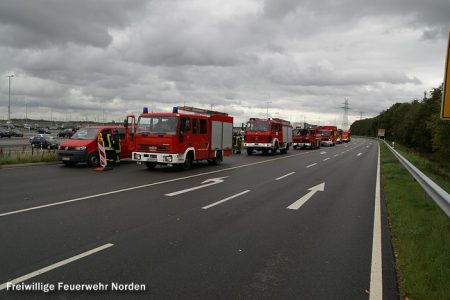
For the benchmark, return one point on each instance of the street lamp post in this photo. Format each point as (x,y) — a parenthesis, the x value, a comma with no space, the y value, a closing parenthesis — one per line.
(9,97)
(267,108)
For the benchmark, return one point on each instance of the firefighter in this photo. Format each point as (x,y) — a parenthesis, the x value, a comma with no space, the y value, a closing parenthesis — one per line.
(237,143)
(116,146)
(109,150)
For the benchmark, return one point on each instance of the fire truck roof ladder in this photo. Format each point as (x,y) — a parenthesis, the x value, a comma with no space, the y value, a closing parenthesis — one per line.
(200,111)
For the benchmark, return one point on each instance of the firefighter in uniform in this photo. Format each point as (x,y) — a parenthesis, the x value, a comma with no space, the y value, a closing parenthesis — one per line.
(237,143)
(109,150)
(116,146)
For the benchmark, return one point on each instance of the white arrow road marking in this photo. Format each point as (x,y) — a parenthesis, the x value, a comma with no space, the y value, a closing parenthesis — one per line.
(226,199)
(54,266)
(206,183)
(284,176)
(297,204)
(311,165)
(359,154)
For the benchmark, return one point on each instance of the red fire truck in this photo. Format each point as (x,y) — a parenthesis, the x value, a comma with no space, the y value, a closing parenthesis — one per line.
(178,138)
(329,135)
(268,135)
(346,136)
(306,138)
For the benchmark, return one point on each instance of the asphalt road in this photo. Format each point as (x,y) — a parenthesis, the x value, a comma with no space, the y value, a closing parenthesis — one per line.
(214,232)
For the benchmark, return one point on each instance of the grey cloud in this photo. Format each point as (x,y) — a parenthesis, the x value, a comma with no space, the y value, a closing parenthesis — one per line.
(48,22)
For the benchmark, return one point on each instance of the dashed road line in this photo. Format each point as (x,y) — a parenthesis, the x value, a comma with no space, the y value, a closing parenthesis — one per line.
(226,199)
(54,266)
(284,176)
(311,165)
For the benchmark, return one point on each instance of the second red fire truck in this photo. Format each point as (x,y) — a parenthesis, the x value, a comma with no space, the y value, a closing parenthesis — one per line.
(180,137)
(268,135)
(307,138)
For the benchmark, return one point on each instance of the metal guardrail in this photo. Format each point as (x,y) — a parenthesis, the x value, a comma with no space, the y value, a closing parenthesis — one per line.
(438,194)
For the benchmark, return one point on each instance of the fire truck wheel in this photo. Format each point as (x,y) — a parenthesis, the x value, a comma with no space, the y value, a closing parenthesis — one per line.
(150,165)
(249,151)
(295,147)
(218,159)
(187,163)
(274,150)
(93,159)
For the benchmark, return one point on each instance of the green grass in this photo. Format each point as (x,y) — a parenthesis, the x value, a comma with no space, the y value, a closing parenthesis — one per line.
(22,158)
(439,172)
(420,233)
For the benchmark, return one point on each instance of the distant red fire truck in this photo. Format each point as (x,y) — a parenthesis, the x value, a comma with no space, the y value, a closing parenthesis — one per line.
(178,138)
(268,135)
(346,136)
(307,138)
(329,135)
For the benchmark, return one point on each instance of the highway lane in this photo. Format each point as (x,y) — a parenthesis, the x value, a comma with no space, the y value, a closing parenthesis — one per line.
(250,246)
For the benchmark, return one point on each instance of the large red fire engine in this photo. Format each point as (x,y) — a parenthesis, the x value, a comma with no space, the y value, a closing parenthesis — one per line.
(187,134)
(306,138)
(268,135)
(329,135)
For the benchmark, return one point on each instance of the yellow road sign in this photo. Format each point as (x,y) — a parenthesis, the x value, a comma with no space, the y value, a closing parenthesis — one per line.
(445,111)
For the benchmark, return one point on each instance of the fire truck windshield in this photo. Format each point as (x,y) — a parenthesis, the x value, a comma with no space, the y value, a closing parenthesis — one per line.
(326,133)
(85,134)
(258,126)
(157,125)
(302,132)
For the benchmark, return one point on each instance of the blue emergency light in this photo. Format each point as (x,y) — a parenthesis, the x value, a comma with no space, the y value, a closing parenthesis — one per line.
(175,109)
(145,111)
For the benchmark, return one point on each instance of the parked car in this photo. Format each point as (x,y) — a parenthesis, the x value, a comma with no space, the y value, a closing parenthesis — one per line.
(43,130)
(65,133)
(41,135)
(44,142)
(5,133)
(16,133)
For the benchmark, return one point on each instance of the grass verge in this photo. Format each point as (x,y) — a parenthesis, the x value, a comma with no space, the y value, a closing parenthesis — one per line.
(22,158)
(420,234)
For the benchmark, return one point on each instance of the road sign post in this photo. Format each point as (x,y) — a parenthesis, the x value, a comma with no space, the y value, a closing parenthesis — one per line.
(445,110)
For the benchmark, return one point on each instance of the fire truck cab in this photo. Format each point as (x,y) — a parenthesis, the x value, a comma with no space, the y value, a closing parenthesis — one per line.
(178,138)
(268,135)
(306,138)
(329,135)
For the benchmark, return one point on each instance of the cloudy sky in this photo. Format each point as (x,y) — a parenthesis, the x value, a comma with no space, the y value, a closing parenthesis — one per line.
(81,59)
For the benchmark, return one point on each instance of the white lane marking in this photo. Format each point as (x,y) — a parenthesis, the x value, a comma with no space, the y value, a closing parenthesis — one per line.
(359,154)
(326,159)
(226,199)
(311,165)
(336,155)
(284,176)
(206,183)
(147,185)
(54,266)
(376,270)
(342,152)
(367,146)
(323,152)
(297,204)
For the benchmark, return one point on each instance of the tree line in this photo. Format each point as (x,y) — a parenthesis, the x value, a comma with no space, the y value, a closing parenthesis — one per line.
(416,124)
